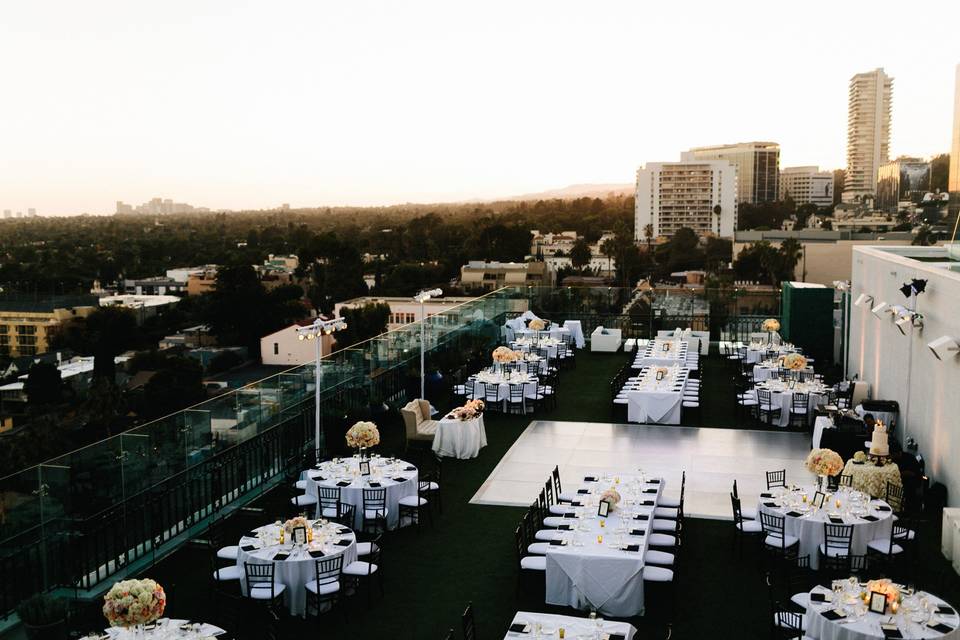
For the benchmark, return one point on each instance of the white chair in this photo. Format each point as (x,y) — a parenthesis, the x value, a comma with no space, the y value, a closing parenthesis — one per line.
(660,558)
(534,563)
(304,500)
(662,540)
(657,574)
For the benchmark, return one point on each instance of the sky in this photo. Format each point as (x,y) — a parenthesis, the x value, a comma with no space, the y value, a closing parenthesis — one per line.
(231,104)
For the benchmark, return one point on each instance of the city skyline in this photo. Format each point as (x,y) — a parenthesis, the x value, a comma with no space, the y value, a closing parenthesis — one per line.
(245,107)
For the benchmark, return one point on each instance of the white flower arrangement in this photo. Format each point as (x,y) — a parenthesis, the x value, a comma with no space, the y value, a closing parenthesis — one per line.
(794,362)
(293,523)
(469,411)
(537,324)
(770,324)
(824,462)
(502,355)
(133,602)
(363,434)
(611,497)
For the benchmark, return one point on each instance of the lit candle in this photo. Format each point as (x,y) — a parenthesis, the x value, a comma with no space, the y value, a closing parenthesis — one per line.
(894,606)
(603,523)
(600,539)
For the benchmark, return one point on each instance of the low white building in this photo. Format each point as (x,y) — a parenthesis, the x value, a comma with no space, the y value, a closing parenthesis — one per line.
(898,359)
(284,347)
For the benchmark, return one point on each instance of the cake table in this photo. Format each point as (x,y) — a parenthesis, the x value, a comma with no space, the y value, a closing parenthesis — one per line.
(870,478)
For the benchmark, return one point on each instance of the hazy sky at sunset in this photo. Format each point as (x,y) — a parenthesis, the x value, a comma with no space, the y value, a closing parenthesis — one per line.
(250,104)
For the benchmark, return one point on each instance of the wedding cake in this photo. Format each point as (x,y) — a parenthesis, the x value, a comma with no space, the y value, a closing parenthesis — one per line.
(879,445)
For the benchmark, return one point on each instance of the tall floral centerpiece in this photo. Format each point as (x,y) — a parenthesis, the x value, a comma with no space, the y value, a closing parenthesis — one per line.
(824,462)
(362,436)
(794,362)
(502,356)
(771,326)
(537,324)
(134,602)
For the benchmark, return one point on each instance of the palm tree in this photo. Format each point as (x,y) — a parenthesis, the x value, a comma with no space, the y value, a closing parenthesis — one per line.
(609,248)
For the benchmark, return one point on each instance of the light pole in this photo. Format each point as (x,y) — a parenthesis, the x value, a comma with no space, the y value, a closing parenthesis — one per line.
(422,297)
(315,332)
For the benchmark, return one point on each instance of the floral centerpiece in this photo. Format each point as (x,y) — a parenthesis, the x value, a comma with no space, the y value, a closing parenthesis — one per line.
(770,324)
(824,462)
(794,362)
(293,523)
(502,355)
(884,586)
(133,602)
(363,435)
(537,324)
(469,411)
(611,497)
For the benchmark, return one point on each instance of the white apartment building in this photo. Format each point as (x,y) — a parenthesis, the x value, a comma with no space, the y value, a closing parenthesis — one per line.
(550,244)
(807,185)
(868,132)
(757,164)
(699,194)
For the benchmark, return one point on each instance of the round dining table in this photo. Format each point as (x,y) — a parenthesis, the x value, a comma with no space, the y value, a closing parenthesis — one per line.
(841,614)
(165,629)
(399,478)
(871,519)
(503,381)
(782,395)
(294,564)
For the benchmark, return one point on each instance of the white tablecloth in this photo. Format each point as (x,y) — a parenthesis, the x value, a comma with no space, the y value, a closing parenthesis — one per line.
(573,627)
(656,402)
(809,528)
(765,372)
(460,438)
(503,386)
(654,354)
(330,473)
(783,396)
(576,330)
(165,629)
(602,576)
(868,626)
(821,423)
(299,568)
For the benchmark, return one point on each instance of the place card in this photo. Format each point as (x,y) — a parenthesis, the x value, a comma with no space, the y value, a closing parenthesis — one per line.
(834,614)
(940,627)
(283,555)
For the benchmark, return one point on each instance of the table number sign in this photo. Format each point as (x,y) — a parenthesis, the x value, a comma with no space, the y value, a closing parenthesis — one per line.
(818,499)
(603,509)
(299,535)
(878,602)
(365,468)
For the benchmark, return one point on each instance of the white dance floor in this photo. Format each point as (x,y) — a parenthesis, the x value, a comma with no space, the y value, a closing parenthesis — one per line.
(712,458)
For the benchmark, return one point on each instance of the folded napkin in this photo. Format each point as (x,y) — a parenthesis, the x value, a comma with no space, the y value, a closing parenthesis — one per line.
(797,514)
(766,495)
(317,477)
(344,483)
(576,503)
(283,555)
(617,636)
(589,479)
(630,547)
(565,527)
(882,507)
(818,596)
(250,534)
(833,614)
(374,485)
(650,490)
(940,627)
(654,481)
(343,530)
(869,518)
(583,491)
(569,515)
(410,468)
(836,520)
(648,503)
(772,505)
(890,631)
(642,516)
(557,543)
(342,543)
(944,609)
(248,548)
(399,479)
(316,553)
(637,532)
(519,627)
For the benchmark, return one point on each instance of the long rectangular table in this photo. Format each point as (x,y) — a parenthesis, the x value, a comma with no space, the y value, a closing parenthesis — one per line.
(592,569)
(573,627)
(657,402)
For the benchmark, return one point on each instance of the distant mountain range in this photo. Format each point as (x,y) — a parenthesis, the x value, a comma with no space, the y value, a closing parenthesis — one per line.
(579,191)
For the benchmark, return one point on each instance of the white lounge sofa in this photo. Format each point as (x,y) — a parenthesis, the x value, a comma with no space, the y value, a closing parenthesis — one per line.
(608,340)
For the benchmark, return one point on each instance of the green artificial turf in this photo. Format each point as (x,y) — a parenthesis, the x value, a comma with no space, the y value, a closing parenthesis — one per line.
(432,573)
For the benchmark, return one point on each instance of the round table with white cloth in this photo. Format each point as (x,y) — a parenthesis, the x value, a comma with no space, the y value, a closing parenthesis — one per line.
(399,478)
(299,567)
(781,393)
(167,629)
(858,623)
(460,439)
(870,478)
(758,352)
(808,525)
(503,382)
(550,344)
(767,370)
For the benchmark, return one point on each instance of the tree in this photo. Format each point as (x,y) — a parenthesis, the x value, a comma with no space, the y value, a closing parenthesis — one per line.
(839,180)
(44,385)
(792,251)
(939,172)
(363,323)
(176,386)
(104,334)
(609,249)
(580,254)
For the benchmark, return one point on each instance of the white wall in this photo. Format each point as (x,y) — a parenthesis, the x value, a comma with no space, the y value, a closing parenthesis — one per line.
(901,367)
(291,350)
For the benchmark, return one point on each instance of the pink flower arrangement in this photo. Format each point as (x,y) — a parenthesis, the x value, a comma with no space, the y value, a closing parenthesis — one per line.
(133,602)
(502,355)
(363,434)
(293,523)
(537,324)
(770,324)
(824,462)
(611,497)
(469,411)
(794,362)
